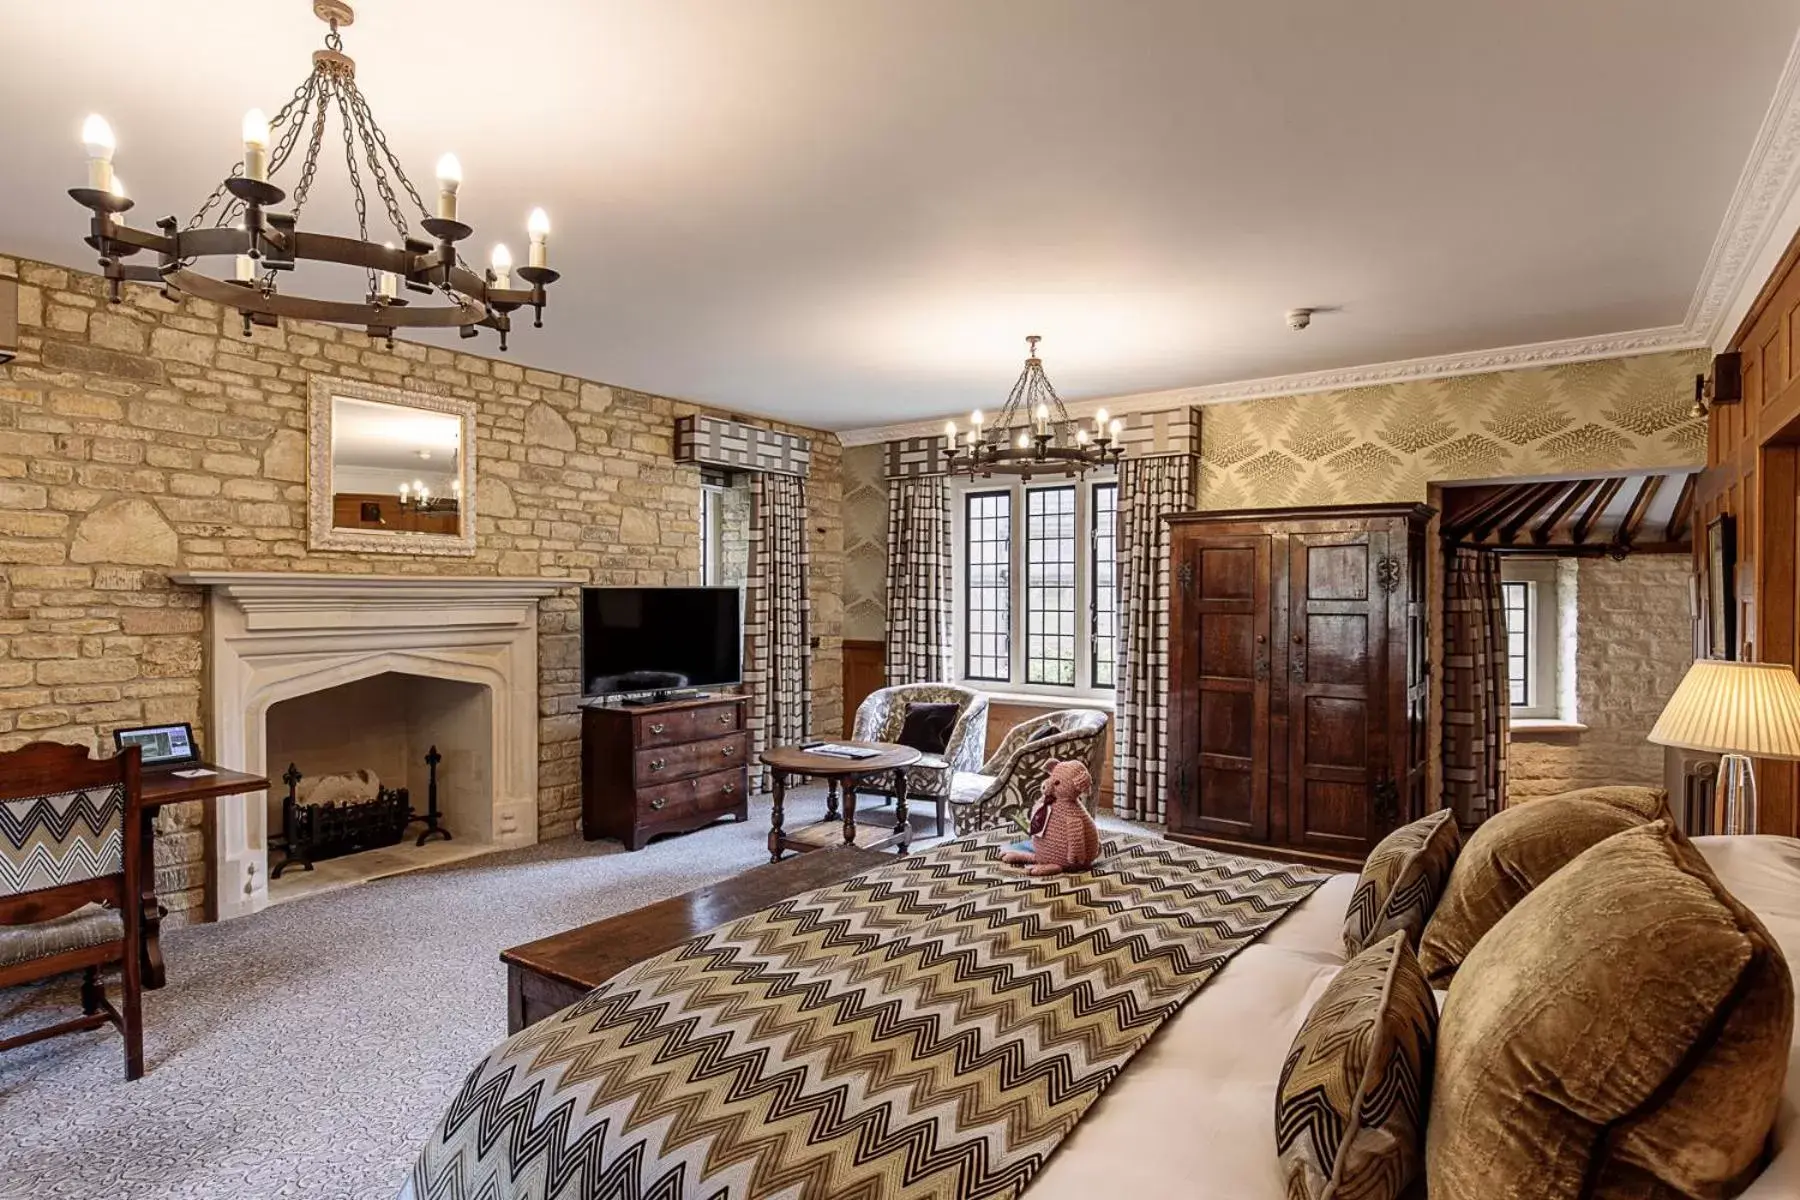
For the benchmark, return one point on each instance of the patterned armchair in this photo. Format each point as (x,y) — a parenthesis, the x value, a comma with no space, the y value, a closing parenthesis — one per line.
(69,868)
(1001,794)
(879,717)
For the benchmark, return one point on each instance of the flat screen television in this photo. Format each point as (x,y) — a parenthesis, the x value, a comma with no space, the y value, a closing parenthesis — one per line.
(657,640)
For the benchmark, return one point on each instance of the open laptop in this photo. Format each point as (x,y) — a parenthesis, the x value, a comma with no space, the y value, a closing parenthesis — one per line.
(164,747)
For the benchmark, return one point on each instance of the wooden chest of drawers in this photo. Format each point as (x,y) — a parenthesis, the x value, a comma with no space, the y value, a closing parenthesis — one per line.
(662,768)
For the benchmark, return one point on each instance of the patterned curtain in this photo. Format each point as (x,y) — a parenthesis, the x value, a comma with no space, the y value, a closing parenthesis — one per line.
(919,581)
(1149,488)
(1477,701)
(777,612)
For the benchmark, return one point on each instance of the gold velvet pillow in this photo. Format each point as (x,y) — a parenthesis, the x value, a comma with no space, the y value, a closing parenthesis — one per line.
(1517,849)
(1622,1034)
(1350,1108)
(1401,882)
(1652,804)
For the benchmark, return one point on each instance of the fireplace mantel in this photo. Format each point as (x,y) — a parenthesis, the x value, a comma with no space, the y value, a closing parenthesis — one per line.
(272,636)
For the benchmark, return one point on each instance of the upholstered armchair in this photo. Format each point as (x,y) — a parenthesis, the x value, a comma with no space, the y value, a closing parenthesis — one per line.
(879,717)
(1002,793)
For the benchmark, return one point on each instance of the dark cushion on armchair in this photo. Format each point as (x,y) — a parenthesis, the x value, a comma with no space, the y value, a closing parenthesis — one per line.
(927,727)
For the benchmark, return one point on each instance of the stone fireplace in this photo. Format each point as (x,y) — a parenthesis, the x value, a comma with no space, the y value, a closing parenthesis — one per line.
(457,653)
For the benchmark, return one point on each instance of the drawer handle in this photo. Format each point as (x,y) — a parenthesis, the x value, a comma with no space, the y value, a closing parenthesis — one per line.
(659,803)
(728,751)
(657,764)
(729,788)
(656,727)
(724,718)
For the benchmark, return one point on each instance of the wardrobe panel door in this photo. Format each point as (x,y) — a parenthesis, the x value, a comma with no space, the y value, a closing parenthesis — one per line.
(1222,781)
(1337,665)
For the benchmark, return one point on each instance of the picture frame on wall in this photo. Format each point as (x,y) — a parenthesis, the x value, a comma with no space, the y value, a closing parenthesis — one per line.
(1721,590)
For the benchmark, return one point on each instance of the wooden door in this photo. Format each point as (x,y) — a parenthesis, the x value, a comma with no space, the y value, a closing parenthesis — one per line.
(1219,777)
(1337,669)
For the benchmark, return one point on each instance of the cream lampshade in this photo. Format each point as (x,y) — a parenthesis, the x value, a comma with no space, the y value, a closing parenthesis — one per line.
(1742,711)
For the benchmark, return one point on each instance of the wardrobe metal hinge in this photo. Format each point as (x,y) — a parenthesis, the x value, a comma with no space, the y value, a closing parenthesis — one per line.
(1185,573)
(1387,573)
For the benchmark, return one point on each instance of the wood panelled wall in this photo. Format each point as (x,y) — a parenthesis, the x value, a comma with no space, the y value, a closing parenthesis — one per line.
(1753,469)
(864,671)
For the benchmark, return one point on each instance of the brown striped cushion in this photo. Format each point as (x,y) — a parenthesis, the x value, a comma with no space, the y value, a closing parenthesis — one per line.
(1401,882)
(1350,1108)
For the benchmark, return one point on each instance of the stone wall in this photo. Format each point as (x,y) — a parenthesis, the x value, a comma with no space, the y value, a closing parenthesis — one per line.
(1633,643)
(150,437)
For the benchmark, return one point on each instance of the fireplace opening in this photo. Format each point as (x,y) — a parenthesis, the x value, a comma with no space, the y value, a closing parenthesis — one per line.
(356,745)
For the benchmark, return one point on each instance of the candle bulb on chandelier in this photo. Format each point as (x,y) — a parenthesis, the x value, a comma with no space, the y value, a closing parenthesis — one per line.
(256,146)
(97,140)
(1115,428)
(246,266)
(403,493)
(502,263)
(449,177)
(1100,423)
(1081,437)
(387,284)
(118,190)
(537,226)
(1043,418)
(1024,440)
(950,433)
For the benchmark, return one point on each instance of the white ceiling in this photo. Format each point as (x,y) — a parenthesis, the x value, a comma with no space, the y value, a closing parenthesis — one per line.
(851,214)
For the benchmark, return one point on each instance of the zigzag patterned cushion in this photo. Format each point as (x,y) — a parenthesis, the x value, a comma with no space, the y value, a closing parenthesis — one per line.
(1350,1108)
(1401,882)
(65,837)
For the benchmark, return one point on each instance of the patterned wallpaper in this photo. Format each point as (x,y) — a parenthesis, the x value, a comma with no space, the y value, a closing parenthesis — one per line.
(865,543)
(1378,444)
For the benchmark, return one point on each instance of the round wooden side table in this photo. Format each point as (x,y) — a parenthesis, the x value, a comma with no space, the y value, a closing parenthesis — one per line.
(842,773)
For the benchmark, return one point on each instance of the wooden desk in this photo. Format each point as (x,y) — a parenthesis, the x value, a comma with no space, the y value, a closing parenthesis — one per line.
(157,789)
(548,975)
(783,761)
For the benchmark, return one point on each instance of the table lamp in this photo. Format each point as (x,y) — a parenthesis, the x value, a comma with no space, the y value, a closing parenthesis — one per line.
(1741,710)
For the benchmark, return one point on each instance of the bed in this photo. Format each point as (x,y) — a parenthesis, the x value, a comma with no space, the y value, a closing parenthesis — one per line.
(1191,1113)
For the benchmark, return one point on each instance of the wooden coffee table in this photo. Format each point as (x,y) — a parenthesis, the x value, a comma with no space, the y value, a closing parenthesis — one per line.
(783,761)
(548,975)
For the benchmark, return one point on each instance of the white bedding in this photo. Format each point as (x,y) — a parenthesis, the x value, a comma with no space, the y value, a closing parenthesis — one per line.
(1193,1115)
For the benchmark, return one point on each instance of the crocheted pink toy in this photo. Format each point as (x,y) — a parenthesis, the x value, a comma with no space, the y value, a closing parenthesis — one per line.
(1063,835)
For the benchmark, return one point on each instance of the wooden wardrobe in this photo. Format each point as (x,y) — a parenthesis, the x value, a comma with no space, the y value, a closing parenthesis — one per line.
(1298,683)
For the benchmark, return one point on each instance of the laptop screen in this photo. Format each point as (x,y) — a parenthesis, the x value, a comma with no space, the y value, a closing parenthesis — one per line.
(160,744)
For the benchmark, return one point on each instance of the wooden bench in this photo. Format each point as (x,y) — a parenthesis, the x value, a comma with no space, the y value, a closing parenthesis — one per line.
(548,975)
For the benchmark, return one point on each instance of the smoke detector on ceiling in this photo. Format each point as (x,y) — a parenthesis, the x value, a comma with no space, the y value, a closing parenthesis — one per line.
(1300,318)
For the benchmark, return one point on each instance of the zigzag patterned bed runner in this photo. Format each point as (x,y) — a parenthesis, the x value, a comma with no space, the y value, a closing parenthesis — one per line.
(927,1029)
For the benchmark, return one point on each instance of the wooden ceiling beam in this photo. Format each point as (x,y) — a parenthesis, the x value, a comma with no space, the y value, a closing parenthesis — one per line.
(1676,530)
(1640,509)
(1541,495)
(1584,524)
(1525,499)
(1458,524)
(1546,529)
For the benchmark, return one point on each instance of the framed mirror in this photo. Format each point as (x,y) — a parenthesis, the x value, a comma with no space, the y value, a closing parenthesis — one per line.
(389,471)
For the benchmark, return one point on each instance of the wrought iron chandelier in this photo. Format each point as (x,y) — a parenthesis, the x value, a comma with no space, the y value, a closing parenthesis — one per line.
(237,221)
(417,498)
(1034,433)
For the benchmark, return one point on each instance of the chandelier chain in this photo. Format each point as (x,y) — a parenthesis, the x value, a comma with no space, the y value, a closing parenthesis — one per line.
(385,188)
(310,167)
(380,140)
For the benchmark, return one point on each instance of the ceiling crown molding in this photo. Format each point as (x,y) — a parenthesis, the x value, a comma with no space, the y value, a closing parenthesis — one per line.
(1337,379)
(1755,215)
(1763,214)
